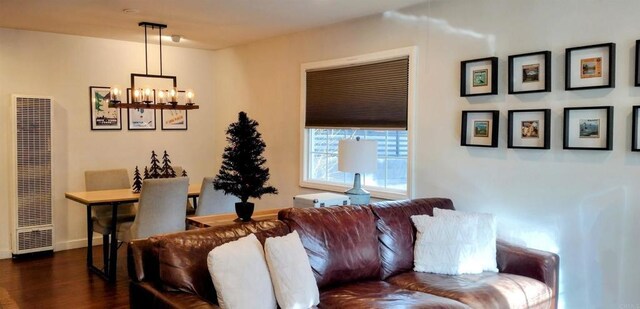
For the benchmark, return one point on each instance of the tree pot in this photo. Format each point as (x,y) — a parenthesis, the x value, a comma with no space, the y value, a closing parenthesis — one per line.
(244,211)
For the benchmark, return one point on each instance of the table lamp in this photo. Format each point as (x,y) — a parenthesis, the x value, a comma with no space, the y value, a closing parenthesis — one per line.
(357,156)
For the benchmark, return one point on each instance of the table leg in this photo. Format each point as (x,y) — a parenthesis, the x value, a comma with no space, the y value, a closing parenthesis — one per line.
(89,237)
(113,255)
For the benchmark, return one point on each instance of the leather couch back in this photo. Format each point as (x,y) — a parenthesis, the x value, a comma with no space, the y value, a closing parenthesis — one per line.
(341,242)
(179,261)
(396,232)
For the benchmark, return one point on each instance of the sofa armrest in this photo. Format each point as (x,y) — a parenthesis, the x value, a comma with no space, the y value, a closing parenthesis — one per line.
(536,264)
(146,295)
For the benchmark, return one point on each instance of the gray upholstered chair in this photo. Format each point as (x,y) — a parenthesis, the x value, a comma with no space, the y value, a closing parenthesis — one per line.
(190,209)
(160,209)
(212,201)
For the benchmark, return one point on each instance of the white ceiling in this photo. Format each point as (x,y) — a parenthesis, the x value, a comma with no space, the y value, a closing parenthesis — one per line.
(207,24)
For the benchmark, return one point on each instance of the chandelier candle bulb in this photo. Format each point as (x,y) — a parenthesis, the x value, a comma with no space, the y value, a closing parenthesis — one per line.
(147,95)
(116,94)
(190,96)
(173,95)
(136,96)
(160,97)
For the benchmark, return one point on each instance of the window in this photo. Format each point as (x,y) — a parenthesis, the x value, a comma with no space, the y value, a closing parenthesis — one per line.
(331,92)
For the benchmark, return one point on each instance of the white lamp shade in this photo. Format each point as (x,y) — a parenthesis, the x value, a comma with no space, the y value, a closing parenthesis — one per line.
(357,156)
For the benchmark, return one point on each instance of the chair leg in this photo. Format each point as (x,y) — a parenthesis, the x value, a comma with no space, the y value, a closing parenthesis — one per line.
(105,252)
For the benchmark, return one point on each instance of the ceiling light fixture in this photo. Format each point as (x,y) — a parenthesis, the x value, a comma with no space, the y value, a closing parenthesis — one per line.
(164,89)
(176,38)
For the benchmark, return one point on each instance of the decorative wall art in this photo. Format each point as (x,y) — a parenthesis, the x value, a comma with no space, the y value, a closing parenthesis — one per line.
(174,119)
(102,116)
(635,130)
(140,118)
(479,77)
(637,70)
(529,128)
(530,72)
(588,128)
(590,67)
(480,128)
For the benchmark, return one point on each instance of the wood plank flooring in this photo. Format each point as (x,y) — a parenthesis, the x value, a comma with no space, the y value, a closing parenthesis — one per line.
(63,281)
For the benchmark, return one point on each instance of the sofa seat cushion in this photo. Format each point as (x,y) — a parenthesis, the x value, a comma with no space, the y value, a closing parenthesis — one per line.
(145,295)
(380,294)
(485,290)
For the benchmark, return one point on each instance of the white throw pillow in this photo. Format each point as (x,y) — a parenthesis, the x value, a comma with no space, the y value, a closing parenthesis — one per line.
(291,274)
(486,234)
(240,275)
(446,245)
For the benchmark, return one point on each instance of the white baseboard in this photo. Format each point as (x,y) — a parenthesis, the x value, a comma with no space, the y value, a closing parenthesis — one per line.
(76,243)
(5,254)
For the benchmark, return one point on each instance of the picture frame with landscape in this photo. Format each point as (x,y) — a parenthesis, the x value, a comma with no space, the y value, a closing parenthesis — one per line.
(480,128)
(103,117)
(588,128)
(479,77)
(590,67)
(529,128)
(530,72)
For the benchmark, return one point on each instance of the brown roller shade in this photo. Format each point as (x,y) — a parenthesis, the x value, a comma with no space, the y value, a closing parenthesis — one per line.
(372,95)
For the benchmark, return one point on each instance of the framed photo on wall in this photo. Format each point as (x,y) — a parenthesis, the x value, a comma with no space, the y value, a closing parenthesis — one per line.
(530,72)
(479,77)
(588,128)
(529,128)
(637,70)
(174,119)
(590,67)
(635,130)
(103,117)
(480,128)
(141,118)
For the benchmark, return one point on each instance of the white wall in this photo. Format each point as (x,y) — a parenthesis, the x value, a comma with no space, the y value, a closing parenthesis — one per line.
(581,204)
(63,66)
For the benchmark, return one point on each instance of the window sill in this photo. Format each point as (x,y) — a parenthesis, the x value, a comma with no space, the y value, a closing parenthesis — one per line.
(375,192)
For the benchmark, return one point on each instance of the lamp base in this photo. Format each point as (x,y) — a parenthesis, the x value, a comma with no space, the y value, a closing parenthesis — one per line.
(357,194)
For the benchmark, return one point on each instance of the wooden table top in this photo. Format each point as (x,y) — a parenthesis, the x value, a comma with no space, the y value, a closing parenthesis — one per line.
(228,218)
(115,196)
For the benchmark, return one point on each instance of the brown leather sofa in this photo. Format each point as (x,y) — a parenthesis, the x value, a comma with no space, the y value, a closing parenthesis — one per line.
(362,257)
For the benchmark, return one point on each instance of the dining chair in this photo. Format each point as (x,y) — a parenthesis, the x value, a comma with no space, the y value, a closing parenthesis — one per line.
(159,209)
(110,179)
(190,209)
(212,201)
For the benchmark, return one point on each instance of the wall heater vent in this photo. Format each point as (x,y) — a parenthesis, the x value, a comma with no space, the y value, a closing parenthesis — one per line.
(32,203)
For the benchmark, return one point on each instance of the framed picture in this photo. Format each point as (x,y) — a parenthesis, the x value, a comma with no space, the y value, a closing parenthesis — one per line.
(590,67)
(480,128)
(102,116)
(174,119)
(637,73)
(530,72)
(529,128)
(141,118)
(479,77)
(588,128)
(635,130)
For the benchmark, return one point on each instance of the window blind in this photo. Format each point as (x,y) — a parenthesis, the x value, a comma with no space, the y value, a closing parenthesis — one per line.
(373,95)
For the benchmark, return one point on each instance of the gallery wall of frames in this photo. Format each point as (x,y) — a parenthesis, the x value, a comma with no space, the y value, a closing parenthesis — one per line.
(584,128)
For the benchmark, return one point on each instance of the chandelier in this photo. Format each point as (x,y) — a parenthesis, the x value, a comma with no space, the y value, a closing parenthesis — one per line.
(149,91)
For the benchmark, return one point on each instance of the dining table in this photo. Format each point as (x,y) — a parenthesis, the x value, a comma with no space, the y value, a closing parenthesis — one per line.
(113,198)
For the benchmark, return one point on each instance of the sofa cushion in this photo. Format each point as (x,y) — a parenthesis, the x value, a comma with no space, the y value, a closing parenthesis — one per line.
(182,257)
(396,232)
(380,294)
(340,241)
(485,290)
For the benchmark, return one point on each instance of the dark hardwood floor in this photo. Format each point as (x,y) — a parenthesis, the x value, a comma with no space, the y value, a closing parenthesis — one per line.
(62,280)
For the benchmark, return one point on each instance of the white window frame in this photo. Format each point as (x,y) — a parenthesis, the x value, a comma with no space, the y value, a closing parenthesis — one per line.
(305,182)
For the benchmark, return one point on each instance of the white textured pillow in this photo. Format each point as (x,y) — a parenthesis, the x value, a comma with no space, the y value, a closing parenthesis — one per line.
(291,274)
(240,275)
(446,245)
(486,234)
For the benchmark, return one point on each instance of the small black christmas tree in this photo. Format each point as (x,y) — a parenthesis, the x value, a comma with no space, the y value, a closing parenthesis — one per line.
(137,181)
(242,172)
(154,170)
(184,173)
(167,171)
(146,173)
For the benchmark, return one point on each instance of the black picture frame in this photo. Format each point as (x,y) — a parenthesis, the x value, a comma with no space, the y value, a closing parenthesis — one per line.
(131,113)
(100,122)
(570,127)
(635,135)
(478,116)
(637,69)
(597,71)
(544,86)
(492,76)
(185,126)
(521,141)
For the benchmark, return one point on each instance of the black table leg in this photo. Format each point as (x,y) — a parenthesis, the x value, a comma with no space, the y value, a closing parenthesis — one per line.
(113,255)
(89,237)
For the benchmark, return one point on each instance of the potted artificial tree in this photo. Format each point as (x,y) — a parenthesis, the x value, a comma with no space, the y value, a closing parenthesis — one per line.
(242,172)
